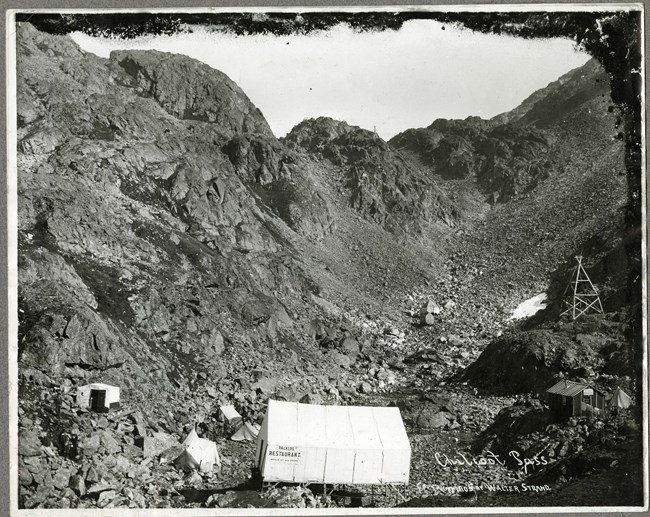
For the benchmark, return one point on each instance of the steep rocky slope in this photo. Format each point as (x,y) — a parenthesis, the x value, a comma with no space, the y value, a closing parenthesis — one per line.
(511,153)
(382,184)
(137,244)
(561,98)
(504,161)
(167,238)
(579,210)
(527,245)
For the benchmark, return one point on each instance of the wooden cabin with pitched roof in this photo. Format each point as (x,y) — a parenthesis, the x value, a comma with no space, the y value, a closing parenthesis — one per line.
(570,398)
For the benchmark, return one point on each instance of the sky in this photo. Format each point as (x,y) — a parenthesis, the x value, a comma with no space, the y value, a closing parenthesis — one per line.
(386,81)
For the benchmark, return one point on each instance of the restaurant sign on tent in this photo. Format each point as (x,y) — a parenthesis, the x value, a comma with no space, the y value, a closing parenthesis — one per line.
(198,453)
(309,443)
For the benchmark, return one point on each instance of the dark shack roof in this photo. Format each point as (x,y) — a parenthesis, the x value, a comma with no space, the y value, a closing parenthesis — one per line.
(568,388)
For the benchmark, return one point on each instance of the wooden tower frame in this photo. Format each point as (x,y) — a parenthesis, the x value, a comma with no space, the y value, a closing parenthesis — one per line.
(584,296)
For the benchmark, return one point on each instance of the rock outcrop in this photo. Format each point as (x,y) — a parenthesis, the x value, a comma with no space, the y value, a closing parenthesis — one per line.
(380,183)
(532,360)
(190,90)
(504,161)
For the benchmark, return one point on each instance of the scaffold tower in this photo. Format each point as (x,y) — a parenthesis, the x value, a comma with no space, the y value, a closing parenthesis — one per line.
(581,295)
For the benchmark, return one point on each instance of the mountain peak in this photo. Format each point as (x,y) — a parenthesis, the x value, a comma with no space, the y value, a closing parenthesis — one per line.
(314,132)
(189,89)
(31,40)
(553,102)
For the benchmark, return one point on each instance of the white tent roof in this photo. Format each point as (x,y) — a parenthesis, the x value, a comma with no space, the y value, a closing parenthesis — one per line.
(199,453)
(333,444)
(99,386)
(229,412)
(311,425)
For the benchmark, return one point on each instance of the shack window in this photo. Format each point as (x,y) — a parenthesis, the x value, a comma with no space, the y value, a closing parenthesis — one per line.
(564,401)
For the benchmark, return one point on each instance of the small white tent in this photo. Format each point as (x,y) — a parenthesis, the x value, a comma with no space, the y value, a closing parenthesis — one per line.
(198,453)
(230,415)
(308,443)
(246,433)
(620,399)
(98,397)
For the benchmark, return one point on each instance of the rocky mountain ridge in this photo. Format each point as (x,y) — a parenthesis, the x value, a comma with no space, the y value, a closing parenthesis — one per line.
(511,153)
(143,238)
(551,104)
(383,185)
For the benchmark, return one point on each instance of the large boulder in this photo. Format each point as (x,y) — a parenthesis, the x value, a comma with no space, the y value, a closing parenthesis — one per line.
(78,485)
(266,385)
(155,445)
(431,418)
(350,347)
(29,444)
(84,339)
(524,361)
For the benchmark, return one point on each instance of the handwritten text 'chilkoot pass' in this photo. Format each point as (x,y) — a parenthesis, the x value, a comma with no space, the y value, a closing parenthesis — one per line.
(488,459)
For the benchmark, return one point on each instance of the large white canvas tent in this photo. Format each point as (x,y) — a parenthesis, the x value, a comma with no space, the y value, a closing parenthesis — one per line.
(308,443)
(198,453)
(98,397)
(620,399)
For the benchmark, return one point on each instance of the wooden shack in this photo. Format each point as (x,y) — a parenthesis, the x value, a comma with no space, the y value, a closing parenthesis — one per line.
(570,398)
